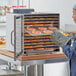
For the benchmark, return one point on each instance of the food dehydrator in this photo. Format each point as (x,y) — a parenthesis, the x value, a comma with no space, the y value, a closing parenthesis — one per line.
(31,33)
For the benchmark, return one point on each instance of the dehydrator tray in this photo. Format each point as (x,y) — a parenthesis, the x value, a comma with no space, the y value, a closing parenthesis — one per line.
(37,32)
(38,25)
(37,40)
(37,43)
(41,51)
(40,22)
(53,46)
(35,37)
(60,38)
(47,23)
(41,15)
(41,19)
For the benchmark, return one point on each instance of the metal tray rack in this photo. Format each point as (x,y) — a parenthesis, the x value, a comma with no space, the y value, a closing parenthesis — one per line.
(35,43)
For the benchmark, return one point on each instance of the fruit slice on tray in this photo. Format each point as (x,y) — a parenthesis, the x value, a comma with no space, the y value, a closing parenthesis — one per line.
(36,32)
(47,32)
(42,28)
(52,28)
(31,29)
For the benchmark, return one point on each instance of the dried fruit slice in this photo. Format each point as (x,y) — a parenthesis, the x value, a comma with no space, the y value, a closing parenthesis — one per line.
(42,28)
(36,32)
(52,28)
(31,29)
(47,32)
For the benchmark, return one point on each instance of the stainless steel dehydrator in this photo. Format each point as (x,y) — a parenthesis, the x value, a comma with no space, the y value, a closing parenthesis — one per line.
(31,33)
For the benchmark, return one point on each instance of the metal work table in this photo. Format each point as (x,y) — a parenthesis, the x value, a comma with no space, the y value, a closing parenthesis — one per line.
(34,67)
(43,61)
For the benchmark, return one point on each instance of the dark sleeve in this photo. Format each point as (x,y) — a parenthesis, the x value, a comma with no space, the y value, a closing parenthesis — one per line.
(67,51)
(74,47)
(70,50)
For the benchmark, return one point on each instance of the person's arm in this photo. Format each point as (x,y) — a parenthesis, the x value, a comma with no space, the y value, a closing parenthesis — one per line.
(74,47)
(70,50)
(67,50)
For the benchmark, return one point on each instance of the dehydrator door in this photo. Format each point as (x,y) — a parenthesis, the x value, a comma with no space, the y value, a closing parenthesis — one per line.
(18,35)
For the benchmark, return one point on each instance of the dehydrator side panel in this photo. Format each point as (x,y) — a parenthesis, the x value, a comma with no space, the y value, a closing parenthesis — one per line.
(10,32)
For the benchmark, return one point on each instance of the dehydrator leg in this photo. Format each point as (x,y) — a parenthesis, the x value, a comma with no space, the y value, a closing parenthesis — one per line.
(38,70)
(33,70)
(26,70)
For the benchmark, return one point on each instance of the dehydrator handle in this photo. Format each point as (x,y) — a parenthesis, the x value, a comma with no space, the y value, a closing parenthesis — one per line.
(12,37)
